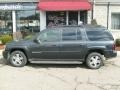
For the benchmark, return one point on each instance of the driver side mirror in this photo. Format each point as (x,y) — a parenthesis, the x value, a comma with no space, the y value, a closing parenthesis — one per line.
(36,41)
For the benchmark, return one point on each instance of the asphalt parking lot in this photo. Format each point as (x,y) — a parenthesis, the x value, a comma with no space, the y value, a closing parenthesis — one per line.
(60,77)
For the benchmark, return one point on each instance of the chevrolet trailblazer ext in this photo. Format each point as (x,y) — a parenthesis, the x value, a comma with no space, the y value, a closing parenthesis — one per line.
(64,45)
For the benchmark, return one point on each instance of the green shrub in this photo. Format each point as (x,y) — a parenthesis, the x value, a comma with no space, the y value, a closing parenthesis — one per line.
(94,22)
(5,38)
(118,42)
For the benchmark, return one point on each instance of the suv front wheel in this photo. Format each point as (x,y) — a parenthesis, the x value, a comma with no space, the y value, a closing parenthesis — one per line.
(94,60)
(18,59)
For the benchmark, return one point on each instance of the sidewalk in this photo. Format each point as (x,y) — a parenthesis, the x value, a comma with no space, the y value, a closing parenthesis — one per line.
(1,52)
(118,53)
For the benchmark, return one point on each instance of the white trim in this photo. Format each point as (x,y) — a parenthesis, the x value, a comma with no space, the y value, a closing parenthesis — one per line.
(14,21)
(67,18)
(42,20)
(79,17)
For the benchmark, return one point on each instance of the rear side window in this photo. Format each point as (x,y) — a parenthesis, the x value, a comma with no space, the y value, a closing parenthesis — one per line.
(99,35)
(70,35)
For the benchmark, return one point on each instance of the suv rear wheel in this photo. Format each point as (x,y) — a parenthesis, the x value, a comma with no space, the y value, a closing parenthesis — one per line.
(94,60)
(18,59)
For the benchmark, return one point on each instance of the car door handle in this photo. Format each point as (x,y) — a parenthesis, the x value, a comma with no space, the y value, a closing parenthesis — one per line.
(53,45)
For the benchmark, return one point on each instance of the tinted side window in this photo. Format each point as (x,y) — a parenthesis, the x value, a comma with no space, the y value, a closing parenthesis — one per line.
(99,35)
(68,35)
(50,36)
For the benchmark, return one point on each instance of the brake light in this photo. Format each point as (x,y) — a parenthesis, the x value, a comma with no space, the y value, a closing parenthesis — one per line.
(113,47)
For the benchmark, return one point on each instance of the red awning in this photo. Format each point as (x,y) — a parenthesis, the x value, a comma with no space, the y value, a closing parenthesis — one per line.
(64,5)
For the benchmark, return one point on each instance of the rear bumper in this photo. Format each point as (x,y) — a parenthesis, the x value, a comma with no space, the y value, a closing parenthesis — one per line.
(110,54)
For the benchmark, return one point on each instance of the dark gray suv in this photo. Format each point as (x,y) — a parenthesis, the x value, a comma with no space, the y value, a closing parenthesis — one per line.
(64,45)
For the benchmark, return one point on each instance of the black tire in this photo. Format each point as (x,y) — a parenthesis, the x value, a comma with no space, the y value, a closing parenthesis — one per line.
(18,61)
(94,60)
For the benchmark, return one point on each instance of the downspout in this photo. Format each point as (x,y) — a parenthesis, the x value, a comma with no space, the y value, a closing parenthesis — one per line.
(108,10)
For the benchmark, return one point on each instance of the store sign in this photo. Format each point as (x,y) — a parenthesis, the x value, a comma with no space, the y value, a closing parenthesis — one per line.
(10,7)
(17,6)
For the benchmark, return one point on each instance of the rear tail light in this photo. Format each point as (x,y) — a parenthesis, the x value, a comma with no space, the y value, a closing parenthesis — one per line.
(113,47)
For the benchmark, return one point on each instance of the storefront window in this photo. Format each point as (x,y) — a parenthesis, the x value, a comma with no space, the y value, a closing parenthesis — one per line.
(56,18)
(73,18)
(5,22)
(28,22)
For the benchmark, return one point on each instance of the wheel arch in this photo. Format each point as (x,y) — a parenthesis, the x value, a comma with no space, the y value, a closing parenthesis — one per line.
(19,49)
(95,50)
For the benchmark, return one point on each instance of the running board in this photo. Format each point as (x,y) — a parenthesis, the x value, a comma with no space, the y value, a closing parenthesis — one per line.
(56,62)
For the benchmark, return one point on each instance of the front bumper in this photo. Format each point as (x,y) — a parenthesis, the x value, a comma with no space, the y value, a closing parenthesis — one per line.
(6,55)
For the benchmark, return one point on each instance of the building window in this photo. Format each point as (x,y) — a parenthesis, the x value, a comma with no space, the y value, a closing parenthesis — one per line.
(73,18)
(28,22)
(115,21)
(5,22)
(55,18)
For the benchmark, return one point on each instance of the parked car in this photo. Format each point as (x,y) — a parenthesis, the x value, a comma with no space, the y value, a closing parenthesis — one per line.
(64,45)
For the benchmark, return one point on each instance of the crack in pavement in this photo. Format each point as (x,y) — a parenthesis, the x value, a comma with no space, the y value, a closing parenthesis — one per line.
(57,78)
(102,87)
(77,83)
(89,82)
